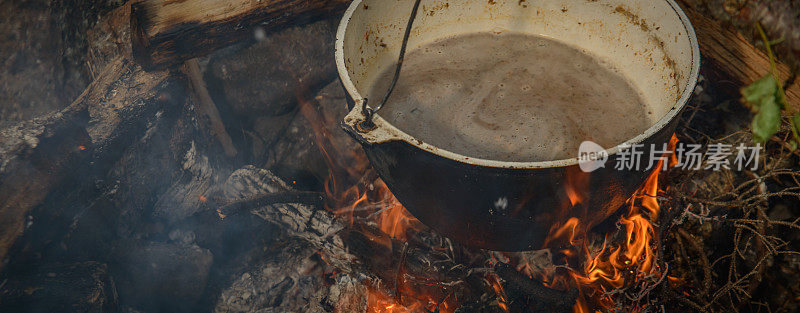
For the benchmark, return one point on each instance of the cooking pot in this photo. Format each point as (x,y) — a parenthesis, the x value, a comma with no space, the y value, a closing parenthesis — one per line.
(511,206)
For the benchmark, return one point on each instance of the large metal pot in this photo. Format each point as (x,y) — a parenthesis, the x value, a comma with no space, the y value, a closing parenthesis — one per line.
(511,206)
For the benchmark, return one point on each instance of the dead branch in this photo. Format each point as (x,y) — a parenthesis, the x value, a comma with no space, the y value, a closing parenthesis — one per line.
(207,107)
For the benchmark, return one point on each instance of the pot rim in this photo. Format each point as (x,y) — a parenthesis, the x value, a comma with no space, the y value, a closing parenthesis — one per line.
(385,131)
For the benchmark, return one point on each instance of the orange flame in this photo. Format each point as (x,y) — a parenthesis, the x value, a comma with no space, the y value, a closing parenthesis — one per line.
(378,302)
(614,266)
(498,289)
(355,196)
(394,220)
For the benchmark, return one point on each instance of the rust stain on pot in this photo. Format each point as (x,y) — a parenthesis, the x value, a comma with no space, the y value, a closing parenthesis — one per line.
(633,18)
(438,7)
(669,62)
(168,2)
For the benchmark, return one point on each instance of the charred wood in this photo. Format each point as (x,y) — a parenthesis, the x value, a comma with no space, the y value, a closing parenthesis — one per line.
(533,294)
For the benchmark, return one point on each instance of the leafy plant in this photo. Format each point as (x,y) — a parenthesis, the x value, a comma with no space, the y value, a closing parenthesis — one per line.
(766,98)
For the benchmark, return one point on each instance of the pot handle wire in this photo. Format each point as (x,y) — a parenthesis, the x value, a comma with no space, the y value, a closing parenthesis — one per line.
(368,112)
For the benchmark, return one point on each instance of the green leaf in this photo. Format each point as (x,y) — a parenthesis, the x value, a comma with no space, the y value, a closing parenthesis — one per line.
(766,87)
(768,120)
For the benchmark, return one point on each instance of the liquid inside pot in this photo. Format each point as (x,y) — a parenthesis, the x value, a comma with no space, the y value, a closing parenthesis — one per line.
(511,97)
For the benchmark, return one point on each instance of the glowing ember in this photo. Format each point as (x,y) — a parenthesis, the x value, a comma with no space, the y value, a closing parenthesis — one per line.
(378,302)
(498,289)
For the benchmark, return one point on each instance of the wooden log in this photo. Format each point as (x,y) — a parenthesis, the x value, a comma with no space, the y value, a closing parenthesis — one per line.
(531,294)
(36,156)
(206,106)
(733,61)
(779,18)
(166,33)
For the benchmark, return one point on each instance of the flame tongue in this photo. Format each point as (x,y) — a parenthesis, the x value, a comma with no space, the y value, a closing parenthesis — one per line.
(615,264)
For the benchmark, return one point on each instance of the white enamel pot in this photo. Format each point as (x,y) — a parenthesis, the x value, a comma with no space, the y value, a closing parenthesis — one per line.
(511,206)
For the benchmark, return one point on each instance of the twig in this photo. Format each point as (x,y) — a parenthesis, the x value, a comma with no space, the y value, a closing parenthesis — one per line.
(398,275)
(301,197)
(703,259)
(207,107)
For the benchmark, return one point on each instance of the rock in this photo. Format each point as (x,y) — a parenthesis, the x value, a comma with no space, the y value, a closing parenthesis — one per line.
(161,276)
(43,54)
(293,153)
(262,79)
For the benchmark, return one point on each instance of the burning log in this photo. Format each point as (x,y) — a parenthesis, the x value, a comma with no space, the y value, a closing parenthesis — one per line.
(317,227)
(167,33)
(533,295)
(292,278)
(206,105)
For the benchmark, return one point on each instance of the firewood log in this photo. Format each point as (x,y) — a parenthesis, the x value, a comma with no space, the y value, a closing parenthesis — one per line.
(166,33)
(732,59)
(37,155)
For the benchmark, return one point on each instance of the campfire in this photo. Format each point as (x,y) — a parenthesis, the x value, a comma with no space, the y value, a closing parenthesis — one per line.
(190,156)
(602,267)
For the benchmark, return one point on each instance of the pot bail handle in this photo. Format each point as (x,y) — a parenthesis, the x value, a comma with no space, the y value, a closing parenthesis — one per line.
(368,112)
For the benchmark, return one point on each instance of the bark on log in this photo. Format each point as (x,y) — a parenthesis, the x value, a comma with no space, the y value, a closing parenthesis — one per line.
(732,58)
(780,19)
(166,33)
